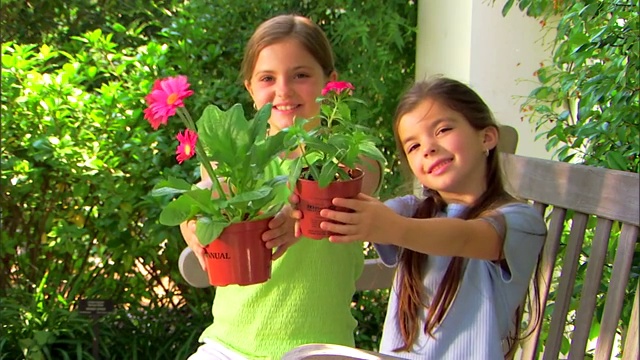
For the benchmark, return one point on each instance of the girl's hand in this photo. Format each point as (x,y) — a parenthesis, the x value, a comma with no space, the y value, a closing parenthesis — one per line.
(281,233)
(371,220)
(188,230)
(295,214)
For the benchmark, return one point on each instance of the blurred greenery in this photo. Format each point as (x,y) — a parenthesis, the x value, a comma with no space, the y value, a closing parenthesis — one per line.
(78,161)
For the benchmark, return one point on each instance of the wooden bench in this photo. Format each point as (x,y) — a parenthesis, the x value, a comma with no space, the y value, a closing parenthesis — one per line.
(569,196)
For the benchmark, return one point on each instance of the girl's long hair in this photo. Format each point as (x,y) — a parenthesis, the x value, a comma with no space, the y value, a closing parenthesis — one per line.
(462,99)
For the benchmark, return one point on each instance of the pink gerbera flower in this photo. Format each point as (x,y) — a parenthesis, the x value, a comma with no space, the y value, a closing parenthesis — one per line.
(187,147)
(166,96)
(337,87)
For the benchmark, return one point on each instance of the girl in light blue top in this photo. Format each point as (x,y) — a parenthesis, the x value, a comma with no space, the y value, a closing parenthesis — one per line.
(467,251)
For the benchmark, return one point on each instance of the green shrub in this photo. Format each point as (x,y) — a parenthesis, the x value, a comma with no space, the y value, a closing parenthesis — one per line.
(78,160)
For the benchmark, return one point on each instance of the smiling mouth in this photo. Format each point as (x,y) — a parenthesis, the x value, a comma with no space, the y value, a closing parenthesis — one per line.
(286,107)
(437,166)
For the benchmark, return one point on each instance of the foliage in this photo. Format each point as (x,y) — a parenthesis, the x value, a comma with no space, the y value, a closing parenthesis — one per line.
(78,162)
(338,142)
(242,191)
(588,100)
(76,179)
(54,22)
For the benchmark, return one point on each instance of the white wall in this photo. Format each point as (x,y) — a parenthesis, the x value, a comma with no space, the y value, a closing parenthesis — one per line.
(470,40)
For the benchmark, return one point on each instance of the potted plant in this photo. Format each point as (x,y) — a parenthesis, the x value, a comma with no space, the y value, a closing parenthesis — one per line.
(235,211)
(330,164)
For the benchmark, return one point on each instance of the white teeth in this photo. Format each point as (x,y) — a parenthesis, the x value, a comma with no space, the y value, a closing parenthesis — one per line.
(287,107)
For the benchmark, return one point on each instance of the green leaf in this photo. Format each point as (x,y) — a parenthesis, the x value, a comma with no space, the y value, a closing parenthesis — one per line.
(371,151)
(119,28)
(203,200)
(615,160)
(171,186)
(245,197)
(177,211)
(225,133)
(507,6)
(208,230)
(328,173)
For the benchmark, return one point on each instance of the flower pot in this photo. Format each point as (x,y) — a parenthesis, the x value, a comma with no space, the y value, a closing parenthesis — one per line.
(239,256)
(314,198)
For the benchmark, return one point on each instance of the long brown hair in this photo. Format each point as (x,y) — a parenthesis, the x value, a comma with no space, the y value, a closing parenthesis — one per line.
(462,99)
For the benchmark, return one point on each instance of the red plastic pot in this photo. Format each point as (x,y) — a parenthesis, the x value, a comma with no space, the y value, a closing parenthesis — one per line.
(314,198)
(239,256)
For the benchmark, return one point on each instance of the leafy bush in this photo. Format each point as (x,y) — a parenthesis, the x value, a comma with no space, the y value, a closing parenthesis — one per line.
(78,161)
(588,100)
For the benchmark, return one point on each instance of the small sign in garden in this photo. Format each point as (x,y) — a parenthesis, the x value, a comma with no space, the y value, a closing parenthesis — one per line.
(96,309)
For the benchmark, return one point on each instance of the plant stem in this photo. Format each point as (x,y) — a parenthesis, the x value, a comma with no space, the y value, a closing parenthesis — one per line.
(201,153)
(333,113)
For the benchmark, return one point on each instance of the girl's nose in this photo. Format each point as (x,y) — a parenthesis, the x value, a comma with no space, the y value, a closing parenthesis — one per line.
(283,88)
(429,149)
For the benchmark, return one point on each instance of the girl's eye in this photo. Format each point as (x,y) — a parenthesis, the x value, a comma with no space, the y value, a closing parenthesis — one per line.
(266,78)
(411,148)
(301,76)
(442,130)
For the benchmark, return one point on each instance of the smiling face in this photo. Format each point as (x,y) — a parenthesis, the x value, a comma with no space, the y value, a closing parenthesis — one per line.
(288,76)
(445,152)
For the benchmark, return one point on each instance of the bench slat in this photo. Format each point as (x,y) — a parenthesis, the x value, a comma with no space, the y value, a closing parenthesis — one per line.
(632,337)
(590,289)
(611,194)
(565,286)
(375,275)
(615,294)
(547,265)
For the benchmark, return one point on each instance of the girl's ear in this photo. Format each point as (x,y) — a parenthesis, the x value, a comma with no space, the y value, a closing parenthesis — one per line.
(247,85)
(333,76)
(490,137)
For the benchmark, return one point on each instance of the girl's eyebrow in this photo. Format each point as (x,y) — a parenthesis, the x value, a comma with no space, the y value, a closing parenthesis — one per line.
(431,126)
(294,69)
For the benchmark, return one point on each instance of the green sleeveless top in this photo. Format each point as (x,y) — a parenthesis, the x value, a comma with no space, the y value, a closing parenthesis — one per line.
(307,300)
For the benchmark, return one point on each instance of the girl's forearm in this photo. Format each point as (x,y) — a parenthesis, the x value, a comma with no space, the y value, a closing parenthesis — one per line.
(449,237)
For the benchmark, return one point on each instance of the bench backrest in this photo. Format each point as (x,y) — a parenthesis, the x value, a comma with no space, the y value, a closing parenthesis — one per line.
(575,196)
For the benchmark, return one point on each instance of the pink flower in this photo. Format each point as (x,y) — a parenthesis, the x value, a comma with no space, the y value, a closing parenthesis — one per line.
(337,87)
(166,96)
(187,147)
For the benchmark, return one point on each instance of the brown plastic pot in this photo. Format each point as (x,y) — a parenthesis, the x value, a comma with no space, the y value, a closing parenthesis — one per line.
(239,256)
(314,198)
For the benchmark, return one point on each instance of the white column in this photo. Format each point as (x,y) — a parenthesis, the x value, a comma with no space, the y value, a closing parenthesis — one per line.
(470,40)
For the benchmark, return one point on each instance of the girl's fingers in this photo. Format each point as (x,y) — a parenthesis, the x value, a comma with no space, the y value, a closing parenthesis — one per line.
(277,221)
(342,229)
(365,197)
(343,217)
(279,252)
(343,238)
(200,255)
(272,234)
(296,229)
(296,214)
(275,242)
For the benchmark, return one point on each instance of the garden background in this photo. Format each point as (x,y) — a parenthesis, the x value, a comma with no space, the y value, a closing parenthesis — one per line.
(78,160)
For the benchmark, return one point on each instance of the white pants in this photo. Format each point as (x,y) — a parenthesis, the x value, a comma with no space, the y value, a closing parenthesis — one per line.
(212,350)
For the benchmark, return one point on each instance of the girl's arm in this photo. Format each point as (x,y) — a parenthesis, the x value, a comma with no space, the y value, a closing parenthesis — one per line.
(474,238)
(375,222)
